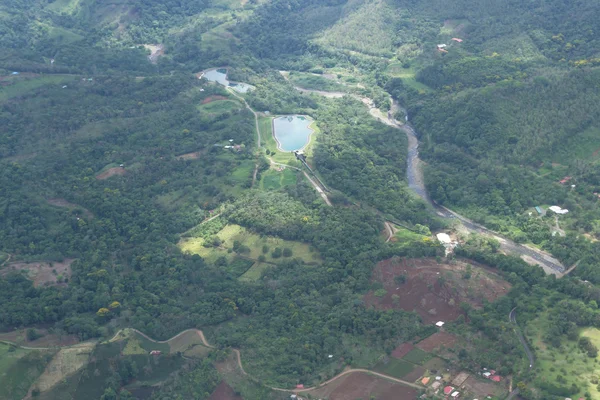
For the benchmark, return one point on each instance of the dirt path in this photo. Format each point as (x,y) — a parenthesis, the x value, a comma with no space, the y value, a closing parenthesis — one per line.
(6,261)
(255,173)
(390,231)
(318,189)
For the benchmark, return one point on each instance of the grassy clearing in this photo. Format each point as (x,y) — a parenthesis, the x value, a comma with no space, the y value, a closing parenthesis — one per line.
(63,6)
(185,342)
(315,82)
(274,180)
(66,362)
(417,356)
(583,146)
(407,75)
(404,235)
(220,106)
(20,87)
(252,247)
(567,364)
(395,367)
(19,369)
(255,272)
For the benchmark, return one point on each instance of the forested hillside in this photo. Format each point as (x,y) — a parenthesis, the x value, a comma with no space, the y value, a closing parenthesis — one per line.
(139,191)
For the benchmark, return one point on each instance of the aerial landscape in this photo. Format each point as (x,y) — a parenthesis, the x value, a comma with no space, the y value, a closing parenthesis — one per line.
(283,199)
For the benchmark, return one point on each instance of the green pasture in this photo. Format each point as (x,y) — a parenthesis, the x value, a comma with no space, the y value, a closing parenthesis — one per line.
(24,85)
(273,179)
(394,367)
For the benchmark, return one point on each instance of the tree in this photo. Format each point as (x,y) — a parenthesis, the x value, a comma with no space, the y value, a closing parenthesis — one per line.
(287,252)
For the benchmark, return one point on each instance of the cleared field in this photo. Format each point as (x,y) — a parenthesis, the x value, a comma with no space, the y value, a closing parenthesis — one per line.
(417,356)
(46,338)
(360,385)
(19,368)
(436,341)
(224,392)
(249,245)
(567,361)
(402,350)
(64,364)
(20,87)
(404,235)
(407,75)
(220,106)
(184,342)
(255,272)
(108,172)
(42,273)
(435,291)
(395,367)
(274,179)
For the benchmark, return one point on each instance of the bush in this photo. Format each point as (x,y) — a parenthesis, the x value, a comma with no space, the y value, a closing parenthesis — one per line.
(287,252)
(380,293)
(276,253)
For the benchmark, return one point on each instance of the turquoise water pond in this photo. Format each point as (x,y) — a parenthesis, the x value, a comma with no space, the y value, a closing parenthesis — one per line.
(219,75)
(292,132)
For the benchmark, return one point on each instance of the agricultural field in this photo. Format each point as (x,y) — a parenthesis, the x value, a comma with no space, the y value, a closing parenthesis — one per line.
(235,242)
(435,291)
(310,81)
(359,385)
(218,107)
(255,272)
(19,368)
(407,75)
(566,365)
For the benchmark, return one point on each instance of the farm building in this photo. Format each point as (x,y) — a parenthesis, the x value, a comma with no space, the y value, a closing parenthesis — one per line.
(441,46)
(436,385)
(439,324)
(455,395)
(565,180)
(457,40)
(558,210)
(538,209)
(448,390)
(155,353)
(425,381)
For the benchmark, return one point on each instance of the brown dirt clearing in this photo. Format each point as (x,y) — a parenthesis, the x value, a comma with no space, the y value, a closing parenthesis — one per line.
(434,291)
(402,350)
(437,340)
(47,340)
(111,172)
(42,273)
(189,156)
(65,204)
(212,98)
(483,388)
(224,392)
(360,385)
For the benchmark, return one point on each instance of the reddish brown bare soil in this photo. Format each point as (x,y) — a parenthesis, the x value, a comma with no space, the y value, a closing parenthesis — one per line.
(435,291)
(111,172)
(42,273)
(189,156)
(224,392)
(360,385)
(402,350)
(47,340)
(210,99)
(436,341)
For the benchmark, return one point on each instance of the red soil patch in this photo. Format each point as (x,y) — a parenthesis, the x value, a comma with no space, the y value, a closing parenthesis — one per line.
(402,350)
(224,392)
(210,99)
(64,203)
(47,340)
(189,156)
(434,291)
(111,172)
(42,273)
(359,385)
(437,340)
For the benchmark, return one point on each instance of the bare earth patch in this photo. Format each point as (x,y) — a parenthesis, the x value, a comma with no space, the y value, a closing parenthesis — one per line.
(402,350)
(65,363)
(483,388)
(42,273)
(224,392)
(156,50)
(210,99)
(435,291)
(65,204)
(111,172)
(436,341)
(189,156)
(360,385)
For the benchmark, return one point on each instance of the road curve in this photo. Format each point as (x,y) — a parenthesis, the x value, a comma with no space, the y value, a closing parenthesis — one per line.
(512,316)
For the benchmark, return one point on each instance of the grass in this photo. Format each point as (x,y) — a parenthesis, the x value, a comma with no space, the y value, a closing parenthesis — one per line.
(22,86)
(404,235)
(220,106)
(407,75)
(395,367)
(268,142)
(19,369)
(583,146)
(417,356)
(232,233)
(567,361)
(255,272)
(315,82)
(273,179)
(63,6)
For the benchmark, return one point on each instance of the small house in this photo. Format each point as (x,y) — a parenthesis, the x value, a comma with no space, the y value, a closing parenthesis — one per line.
(487,374)
(496,378)
(448,390)
(538,209)
(565,180)
(455,395)
(155,353)
(300,386)
(457,40)
(441,46)
(439,324)
(425,380)
(436,385)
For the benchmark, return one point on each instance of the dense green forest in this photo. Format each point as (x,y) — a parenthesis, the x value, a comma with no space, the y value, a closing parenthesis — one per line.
(122,175)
